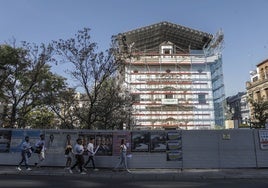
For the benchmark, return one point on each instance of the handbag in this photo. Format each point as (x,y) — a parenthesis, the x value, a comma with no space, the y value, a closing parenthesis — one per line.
(38,149)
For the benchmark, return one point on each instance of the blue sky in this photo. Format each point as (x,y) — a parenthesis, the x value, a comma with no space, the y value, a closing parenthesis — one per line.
(244,23)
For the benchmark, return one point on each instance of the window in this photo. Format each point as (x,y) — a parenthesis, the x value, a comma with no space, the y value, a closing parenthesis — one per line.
(201,98)
(168,71)
(166,51)
(255,79)
(258,95)
(169,96)
(135,97)
(266,93)
(262,73)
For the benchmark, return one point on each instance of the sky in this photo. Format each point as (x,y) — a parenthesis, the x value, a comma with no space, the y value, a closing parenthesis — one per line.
(244,24)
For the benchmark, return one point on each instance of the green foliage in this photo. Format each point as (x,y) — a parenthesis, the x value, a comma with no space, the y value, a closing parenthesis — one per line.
(28,82)
(34,97)
(40,118)
(260,109)
(113,110)
(93,72)
(219,127)
(65,106)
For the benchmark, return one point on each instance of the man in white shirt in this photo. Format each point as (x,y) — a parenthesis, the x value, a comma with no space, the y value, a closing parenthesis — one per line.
(78,151)
(91,153)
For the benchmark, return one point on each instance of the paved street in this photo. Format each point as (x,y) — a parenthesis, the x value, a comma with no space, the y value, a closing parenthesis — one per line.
(26,181)
(147,174)
(45,177)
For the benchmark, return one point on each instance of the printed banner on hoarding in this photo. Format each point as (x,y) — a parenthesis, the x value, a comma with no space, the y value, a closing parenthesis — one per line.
(140,141)
(158,142)
(5,139)
(174,146)
(117,141)
(18,136)
(104,142)
(263,138)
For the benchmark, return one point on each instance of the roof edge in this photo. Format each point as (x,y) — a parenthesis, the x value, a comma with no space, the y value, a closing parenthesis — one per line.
(166,23)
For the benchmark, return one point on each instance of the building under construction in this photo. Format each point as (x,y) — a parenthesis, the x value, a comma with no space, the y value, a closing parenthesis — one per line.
(174,75)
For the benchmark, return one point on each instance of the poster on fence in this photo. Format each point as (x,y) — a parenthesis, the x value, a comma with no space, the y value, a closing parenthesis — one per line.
(18,137)
(117,137)
(263,138)
(158,142)
(140,141)
(69,138)
(174,146)
(86,136)
(174,155)
(54,142)
(105,143)
(102,141)
(5,139)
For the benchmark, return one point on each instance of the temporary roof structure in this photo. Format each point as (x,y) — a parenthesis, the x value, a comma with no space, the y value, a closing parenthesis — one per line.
(149,38)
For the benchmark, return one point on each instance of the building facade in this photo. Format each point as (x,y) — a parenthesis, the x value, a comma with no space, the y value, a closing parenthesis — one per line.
(238,109)
(257,87)
(174,75)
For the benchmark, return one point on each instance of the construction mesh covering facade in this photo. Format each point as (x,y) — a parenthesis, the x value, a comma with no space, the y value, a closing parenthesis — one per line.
(174,75)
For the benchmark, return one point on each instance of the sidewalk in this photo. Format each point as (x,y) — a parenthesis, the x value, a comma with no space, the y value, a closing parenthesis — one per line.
(146,174)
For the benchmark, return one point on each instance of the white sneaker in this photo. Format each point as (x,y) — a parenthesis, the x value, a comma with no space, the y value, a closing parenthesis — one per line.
(29,169)
(18,168)
(95,169)
(128,171)
(70,170)
(83,173)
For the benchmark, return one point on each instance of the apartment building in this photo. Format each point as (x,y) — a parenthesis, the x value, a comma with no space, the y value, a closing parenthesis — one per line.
(174,75)
(257,87)
(238,109)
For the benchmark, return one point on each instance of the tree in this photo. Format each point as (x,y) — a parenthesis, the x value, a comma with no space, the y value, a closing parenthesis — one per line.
(114,109)
(90,69)
(64,105)
(41,117)
(27,79)
(7,56)
(260,112)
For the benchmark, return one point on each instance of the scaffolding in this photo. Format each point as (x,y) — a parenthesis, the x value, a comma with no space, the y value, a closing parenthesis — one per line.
(174,86)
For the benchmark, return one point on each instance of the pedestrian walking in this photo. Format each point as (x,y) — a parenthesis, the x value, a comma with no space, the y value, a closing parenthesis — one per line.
(68,155)
(123,156)
(91,154)
(26,151)
(40,150)
(78,151)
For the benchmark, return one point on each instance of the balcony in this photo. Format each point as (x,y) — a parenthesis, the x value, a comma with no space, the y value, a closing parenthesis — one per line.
(250,85)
